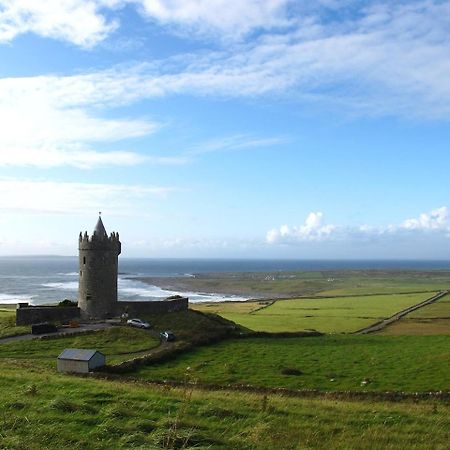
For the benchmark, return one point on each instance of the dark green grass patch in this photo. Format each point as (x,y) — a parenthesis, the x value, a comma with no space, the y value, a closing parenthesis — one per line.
(373,363)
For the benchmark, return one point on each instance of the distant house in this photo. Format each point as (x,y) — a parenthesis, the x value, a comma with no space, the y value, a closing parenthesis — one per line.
(77,360)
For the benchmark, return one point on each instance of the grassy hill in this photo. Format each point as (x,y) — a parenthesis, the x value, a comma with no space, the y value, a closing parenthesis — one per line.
(42,409)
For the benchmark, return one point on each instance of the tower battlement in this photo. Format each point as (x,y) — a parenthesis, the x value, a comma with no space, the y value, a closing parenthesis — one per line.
(97,242)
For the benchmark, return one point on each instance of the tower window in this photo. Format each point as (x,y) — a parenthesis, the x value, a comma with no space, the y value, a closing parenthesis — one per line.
(84,259)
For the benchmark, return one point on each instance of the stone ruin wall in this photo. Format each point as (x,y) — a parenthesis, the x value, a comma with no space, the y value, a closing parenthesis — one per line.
(29,315)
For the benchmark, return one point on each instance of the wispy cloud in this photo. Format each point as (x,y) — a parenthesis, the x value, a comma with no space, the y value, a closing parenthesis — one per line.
(31,196)
(383,58)
(236,142)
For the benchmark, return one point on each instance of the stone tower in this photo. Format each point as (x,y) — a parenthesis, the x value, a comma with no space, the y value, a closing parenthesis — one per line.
(98,255)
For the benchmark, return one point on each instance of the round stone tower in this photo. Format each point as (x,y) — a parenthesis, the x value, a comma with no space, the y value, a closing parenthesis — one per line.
(98,255)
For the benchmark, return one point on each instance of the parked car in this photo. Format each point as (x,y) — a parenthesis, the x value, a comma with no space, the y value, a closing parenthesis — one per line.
(43,328)
(138,323)
(167,336)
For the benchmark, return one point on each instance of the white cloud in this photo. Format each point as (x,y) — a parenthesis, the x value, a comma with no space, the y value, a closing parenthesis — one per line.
(390,58)
(230,18)
(79,22)
(436,222)
(312,230)
(31,196)
(84,23)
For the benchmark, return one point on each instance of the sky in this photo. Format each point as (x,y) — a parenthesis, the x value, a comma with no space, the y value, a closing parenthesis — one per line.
(229,129)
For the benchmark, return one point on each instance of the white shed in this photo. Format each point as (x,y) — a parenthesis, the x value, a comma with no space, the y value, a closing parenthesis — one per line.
(77,360)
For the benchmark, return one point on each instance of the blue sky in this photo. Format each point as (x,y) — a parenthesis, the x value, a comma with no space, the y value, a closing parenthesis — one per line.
(276,128)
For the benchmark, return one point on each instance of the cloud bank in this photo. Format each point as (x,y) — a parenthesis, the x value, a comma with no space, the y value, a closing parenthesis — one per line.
(435,222)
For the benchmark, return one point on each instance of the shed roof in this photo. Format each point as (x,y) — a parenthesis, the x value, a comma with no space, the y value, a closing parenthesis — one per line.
(77,354)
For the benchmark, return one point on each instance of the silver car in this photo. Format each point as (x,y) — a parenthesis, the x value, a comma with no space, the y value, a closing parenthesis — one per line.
(138,323)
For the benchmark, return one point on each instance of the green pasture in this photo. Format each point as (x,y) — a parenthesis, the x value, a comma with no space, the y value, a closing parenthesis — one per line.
(42,409)
(431,319)
(117,343)
(8,322)
(328,315)
(356,362)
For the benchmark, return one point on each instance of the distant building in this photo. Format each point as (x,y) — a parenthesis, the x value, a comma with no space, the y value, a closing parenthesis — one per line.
(98,259)
(76,360)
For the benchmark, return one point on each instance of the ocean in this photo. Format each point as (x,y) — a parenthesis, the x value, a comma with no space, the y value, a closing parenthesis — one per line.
(42,280)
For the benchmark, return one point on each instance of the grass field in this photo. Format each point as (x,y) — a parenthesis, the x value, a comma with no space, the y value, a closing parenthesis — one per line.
(431,319)
(117,343)
(328,315)
(43,410)
(406,363)
(8,322)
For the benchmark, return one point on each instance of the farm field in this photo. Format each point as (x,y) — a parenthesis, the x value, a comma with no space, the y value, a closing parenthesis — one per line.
(328,315)
(355,363)
(431,319)
(42,409)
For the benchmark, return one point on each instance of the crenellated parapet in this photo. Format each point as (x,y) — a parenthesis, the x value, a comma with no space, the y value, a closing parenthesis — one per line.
(99,242)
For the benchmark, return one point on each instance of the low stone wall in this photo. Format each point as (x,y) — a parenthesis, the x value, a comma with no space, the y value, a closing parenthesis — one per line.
(153,307)
(29,315)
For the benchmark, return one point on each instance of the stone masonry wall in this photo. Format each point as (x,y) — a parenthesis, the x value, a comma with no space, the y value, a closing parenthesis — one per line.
(36,314)
(154,307)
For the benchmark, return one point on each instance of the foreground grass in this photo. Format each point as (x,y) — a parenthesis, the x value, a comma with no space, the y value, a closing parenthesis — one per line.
(44,410)
(117,343)
(429,320)
(374,363)
(328,315)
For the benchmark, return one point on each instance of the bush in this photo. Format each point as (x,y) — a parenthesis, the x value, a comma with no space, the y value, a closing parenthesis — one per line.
(67,302)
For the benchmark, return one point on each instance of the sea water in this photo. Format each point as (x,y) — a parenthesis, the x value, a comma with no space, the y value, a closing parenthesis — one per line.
(42,280)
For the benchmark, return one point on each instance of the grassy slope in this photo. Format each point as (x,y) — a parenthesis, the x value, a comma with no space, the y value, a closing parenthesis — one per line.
(117,343)
(8,323)
(432,319)
(42,410)
(406,363)
(329,315)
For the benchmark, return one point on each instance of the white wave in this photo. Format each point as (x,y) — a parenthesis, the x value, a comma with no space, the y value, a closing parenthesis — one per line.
(69,285)
(68,274)
(134,288)
(10,299)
